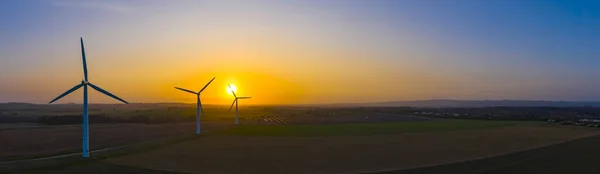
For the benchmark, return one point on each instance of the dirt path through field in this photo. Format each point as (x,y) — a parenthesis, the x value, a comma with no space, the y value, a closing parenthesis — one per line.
(344,154)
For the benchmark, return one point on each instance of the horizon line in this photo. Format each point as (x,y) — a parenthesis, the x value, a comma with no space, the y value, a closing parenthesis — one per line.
(330,103)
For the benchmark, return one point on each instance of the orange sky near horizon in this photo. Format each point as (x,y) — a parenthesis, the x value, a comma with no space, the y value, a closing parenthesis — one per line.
(294,52)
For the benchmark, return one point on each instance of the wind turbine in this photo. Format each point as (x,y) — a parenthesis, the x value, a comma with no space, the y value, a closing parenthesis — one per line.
(235,101)
(85,83)
(198,103)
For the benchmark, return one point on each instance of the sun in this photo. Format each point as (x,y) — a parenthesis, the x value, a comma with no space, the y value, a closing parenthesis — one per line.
(232,88)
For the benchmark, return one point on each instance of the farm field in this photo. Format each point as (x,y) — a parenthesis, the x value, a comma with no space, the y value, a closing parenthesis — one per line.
(279,140)
(39,130)
(325,130)
(345,154)
(578,156)
(51,140)
(301,119)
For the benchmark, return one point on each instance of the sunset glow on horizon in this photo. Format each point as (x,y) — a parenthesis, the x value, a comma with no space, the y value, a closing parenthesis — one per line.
(300,52)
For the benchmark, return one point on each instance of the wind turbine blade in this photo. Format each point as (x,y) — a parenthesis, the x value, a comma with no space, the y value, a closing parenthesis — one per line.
(200,103)
(232,104)
(85,73)
(67,93)
(207,84)
(106,93)
(232,90)
(244,97)
(190,91)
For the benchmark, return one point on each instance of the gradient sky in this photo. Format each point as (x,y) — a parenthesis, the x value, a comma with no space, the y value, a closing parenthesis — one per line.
(313,51)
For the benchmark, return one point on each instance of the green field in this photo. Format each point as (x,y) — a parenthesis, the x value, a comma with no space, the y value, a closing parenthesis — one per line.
(367,129)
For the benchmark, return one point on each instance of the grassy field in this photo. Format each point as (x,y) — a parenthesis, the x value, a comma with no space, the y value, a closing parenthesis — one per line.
(367,129)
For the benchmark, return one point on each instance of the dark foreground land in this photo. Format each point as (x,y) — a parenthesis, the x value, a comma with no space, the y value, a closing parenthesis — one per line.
(293,140)
(33,139)
(393,148)
(578,156)
(55,140)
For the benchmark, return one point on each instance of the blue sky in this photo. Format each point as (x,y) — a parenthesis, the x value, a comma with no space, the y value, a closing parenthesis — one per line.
(403,49)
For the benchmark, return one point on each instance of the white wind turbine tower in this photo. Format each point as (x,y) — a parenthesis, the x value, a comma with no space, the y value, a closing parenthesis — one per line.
(235,101)
(198,103)
(85,83)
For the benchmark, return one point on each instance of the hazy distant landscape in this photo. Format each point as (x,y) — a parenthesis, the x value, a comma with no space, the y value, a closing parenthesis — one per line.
(161,113)
(446,103)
